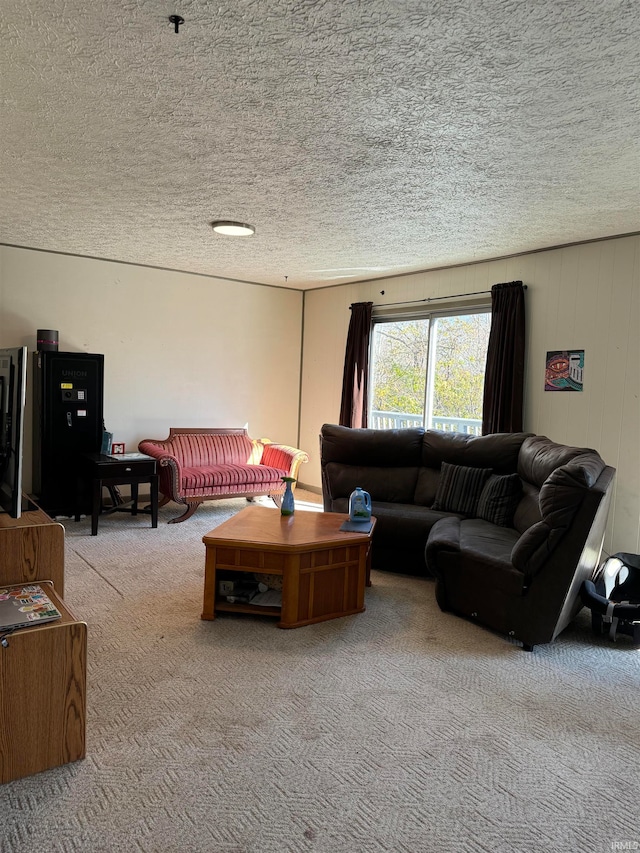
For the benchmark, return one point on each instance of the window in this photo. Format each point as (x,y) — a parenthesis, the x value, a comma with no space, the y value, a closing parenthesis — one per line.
(429,371)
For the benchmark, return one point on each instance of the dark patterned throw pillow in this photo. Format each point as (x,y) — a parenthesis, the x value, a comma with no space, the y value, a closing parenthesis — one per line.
(459,488)
(499,499)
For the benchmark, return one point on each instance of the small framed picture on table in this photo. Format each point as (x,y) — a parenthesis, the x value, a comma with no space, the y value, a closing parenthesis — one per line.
(117,449)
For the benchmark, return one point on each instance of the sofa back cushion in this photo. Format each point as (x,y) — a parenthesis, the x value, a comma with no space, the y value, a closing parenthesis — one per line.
(392,485)
(426,486)
(197,449)
(539,457)
(498,452)
(382,448)
(528,509)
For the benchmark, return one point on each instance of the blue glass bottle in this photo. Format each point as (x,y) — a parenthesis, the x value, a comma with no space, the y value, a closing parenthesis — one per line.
(287,506)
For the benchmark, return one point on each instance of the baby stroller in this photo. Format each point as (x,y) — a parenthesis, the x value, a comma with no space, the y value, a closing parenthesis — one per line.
(614,597)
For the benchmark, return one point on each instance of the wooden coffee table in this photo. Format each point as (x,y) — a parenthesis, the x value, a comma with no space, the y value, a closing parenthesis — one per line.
(324,570)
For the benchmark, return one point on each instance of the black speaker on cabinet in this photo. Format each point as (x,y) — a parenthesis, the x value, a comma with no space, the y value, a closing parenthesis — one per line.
(67,422)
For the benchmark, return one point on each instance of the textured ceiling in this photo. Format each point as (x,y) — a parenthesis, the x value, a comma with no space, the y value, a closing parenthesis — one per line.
(361,138)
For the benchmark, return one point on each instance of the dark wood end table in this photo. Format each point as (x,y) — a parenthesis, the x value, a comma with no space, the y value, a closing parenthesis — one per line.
(102,470)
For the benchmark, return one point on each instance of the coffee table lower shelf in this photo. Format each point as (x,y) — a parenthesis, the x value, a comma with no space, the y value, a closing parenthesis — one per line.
(254,609)
(329,584)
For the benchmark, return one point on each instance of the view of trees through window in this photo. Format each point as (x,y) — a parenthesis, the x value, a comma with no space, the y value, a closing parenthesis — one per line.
(430,371)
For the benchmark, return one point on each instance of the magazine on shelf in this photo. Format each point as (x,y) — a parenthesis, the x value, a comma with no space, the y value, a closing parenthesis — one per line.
(131,457)
(270,598)
(23,606)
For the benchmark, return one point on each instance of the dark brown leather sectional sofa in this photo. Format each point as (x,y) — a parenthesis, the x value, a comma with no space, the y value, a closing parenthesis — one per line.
(509,525)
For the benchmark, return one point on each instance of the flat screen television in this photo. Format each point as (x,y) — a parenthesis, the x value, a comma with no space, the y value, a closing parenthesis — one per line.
(13,387)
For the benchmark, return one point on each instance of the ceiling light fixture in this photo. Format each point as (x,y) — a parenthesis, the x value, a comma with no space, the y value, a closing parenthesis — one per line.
(177,21)
(232,229)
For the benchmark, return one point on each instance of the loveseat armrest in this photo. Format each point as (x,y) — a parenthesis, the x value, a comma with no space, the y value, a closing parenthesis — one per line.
(162,451)
(169,467)
(284,457)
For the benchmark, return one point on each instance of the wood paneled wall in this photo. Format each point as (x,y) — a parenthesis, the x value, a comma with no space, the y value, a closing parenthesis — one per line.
(583,297)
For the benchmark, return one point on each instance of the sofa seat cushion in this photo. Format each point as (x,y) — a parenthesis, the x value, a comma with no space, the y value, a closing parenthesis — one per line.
(221,479)
(398,522)
(486,541)
(459,548)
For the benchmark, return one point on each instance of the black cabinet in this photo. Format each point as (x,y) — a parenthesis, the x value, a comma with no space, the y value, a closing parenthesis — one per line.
(68,393)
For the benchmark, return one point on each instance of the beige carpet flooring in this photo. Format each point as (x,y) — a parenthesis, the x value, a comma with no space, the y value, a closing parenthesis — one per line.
(399,729)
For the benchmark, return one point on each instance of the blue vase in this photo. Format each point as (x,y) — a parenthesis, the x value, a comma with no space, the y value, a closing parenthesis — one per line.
(288,506)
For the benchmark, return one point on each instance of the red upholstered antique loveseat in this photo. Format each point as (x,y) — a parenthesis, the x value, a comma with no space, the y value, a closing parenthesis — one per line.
(197,465)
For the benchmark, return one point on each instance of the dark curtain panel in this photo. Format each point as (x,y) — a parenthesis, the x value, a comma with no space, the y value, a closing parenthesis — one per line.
(504,375)
(355,380)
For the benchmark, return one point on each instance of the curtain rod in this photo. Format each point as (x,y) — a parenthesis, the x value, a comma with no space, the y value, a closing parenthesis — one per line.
(437,298)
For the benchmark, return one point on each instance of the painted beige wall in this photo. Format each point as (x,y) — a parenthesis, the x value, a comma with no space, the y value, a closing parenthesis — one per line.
(582,297)
(185,350)
(180,349)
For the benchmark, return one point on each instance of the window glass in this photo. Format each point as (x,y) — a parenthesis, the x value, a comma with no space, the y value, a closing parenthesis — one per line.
(429,372)
(399,373)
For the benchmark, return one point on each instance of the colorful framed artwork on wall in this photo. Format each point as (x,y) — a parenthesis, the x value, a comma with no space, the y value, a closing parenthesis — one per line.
(564,370)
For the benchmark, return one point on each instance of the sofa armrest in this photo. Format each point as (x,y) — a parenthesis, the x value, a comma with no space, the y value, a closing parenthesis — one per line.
(533,549)
(282,456)
(561,496)
(444,536)
(160,450)
(169,467)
